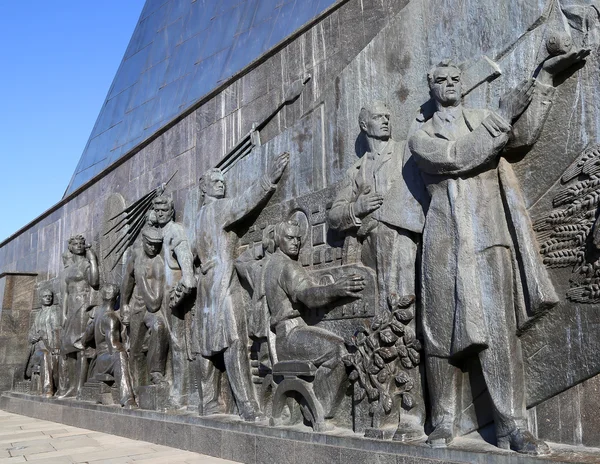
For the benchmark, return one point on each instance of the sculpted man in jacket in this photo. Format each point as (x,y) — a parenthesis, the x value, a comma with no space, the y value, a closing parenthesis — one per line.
(221,331)
(481,270)
(290,290)
(381,204)
(44,339)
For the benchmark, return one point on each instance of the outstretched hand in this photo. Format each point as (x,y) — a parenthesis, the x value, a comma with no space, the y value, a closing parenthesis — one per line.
(276,170)
(350,285)
(557,64)
(513,103)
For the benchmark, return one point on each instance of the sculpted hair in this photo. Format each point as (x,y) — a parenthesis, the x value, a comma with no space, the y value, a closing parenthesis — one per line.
(163,200)
(114,287)
(280,228)
(206,176)
(366,112)
(76,238)
(441,64)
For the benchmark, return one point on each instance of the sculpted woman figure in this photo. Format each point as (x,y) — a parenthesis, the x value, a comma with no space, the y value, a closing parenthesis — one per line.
(79,278)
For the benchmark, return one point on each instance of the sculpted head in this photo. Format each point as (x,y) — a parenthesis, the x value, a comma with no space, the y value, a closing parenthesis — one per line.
(287,238)
(47,297)
(212,183)
(374,121)
(163,210)
(151,241)
(77,245)
(445,84)
(109,292)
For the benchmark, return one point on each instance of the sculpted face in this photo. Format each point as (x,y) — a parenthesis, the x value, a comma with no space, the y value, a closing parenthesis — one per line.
(163,212)
(377,125)
(47,298)
(151,248)
(215,185)
(77,246)
(446,86)
(110,292)
(289,242)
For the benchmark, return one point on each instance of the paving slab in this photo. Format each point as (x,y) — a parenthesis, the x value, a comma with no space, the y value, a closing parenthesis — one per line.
(25,439)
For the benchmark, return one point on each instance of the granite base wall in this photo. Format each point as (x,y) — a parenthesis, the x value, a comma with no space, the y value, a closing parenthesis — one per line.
(254,444)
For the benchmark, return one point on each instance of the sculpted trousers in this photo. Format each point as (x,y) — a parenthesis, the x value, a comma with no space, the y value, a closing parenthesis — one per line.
(148,332)
(48,365)
(237,366)
(501,362)
(392,254)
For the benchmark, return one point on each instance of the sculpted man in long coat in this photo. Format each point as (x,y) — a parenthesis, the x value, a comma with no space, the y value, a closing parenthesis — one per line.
(482,273)
(221,327)
(381,205)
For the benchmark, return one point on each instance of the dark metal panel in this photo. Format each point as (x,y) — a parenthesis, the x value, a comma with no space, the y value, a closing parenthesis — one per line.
(180,51)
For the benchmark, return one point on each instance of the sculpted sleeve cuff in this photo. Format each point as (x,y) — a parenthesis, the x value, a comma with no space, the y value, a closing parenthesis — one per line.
(355,220)
(546,92)
(496,125)
(266,184)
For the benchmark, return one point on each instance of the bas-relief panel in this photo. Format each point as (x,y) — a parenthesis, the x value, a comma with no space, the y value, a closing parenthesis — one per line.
(269,231)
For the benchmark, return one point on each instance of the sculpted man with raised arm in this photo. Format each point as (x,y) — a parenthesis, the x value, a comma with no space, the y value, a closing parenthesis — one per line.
(221,329)
(481,271)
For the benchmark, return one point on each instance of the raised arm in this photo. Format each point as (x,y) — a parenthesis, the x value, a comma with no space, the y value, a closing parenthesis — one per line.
(93,276)
(257,194)
(435,155)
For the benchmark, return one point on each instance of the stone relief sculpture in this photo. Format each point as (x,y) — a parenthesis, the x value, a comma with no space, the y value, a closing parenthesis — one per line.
(381,203)
(111,361)
(220,320)
(81,276)
(303,350)
(479,246)
(570,234)
(44,338)
(143,312)
(180,282)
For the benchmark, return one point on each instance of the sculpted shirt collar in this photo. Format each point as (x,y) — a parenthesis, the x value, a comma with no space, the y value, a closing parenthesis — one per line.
(449,114)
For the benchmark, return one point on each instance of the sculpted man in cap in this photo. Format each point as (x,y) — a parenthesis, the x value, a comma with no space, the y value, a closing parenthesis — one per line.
(44,339)
(221,330)
(179,283)
(381,204)
(482,273)
(142,296)
(289,290)
(104,328)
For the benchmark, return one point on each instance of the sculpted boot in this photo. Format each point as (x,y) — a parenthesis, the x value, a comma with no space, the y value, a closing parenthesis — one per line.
(442,435)
(523,441)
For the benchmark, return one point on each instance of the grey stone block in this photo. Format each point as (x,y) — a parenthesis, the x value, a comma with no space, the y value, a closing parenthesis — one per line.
(239,447)
(274,451)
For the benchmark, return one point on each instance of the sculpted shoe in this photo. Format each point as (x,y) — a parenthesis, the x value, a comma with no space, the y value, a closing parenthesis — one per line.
(523,441)
(250,413)
(442,435)
(408,430)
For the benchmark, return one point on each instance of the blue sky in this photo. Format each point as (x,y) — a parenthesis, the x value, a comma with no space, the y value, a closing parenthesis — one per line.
(58,60)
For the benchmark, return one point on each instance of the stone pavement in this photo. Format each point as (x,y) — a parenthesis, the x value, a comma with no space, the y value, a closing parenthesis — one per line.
(24,439)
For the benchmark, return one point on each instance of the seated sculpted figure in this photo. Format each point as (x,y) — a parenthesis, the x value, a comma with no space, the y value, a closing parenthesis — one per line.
(104,328)
(142,300)
(289,290)
(43,336)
